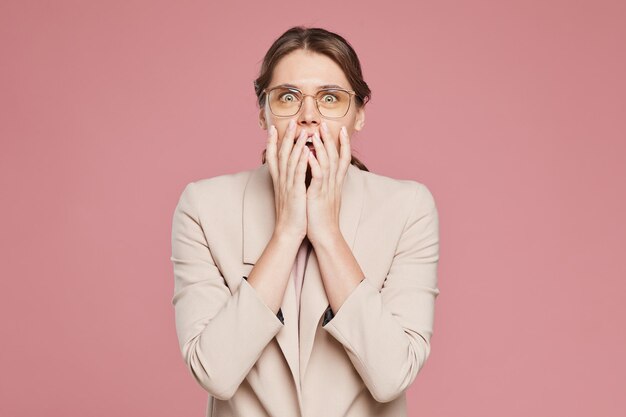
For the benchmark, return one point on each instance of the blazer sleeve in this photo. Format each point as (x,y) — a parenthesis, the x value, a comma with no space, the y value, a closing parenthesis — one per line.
(386,333)
(221,334)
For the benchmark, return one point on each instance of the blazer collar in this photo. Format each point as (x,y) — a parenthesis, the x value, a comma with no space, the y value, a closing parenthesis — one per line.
(259,218)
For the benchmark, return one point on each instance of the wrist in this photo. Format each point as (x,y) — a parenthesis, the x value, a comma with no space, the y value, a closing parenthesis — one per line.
(287,238)
(328,240)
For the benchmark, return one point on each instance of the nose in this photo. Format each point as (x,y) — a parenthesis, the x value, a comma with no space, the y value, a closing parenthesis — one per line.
(308,114)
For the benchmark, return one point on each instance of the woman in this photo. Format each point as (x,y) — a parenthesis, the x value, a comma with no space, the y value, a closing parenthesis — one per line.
(306,287)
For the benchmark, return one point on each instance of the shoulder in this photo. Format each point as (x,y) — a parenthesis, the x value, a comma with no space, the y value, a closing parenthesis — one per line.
(222,188)
(399,192)
(223,181)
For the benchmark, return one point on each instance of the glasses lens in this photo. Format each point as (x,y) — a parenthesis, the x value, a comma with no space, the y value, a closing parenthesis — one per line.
(333,103)
(284,101)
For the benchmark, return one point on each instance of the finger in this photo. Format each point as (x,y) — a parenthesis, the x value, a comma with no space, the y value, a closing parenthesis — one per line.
(285,151)
(301,167)
(317,177)
(345,155)
(272,163)
(331,148)
(270,153)
(294,157)
(321,157)
(331,154)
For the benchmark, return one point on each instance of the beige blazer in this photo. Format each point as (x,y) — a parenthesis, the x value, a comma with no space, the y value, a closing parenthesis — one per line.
(357,362)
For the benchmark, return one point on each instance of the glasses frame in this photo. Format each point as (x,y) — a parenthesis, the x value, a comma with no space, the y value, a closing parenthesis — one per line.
(267,92)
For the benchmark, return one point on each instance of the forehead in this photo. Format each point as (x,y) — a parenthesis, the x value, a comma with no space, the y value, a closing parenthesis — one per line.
(308,71)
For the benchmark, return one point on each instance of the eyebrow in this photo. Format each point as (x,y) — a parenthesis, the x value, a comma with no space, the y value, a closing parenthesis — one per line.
(319,86)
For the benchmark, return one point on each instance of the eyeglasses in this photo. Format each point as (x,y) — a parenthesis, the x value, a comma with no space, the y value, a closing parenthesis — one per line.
(332,103)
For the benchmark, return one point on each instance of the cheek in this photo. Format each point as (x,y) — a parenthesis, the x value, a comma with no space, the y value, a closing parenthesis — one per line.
(334,135)
(281,128)
(271,120)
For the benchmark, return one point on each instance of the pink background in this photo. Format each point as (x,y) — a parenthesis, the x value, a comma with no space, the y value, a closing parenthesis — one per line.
(511,112)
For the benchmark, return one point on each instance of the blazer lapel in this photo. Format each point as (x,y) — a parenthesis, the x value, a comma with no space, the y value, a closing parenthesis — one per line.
(259,218)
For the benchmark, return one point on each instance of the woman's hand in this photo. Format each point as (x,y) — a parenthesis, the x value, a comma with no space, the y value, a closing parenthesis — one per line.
(328,171)
(287,167)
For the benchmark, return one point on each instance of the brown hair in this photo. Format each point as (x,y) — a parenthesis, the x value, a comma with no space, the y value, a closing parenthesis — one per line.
(323,42)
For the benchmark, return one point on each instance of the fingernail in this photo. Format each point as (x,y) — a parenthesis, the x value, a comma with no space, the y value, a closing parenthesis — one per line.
(292,124)
(325,126)
(344,130)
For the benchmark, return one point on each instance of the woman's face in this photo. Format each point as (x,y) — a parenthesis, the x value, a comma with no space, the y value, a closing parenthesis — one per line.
(308,71)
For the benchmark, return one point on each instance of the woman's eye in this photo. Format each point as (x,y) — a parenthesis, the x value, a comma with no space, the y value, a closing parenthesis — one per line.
(329,98)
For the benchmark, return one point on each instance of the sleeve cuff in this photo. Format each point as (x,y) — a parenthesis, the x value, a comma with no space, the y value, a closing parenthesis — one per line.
(329,315)
(279,315)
